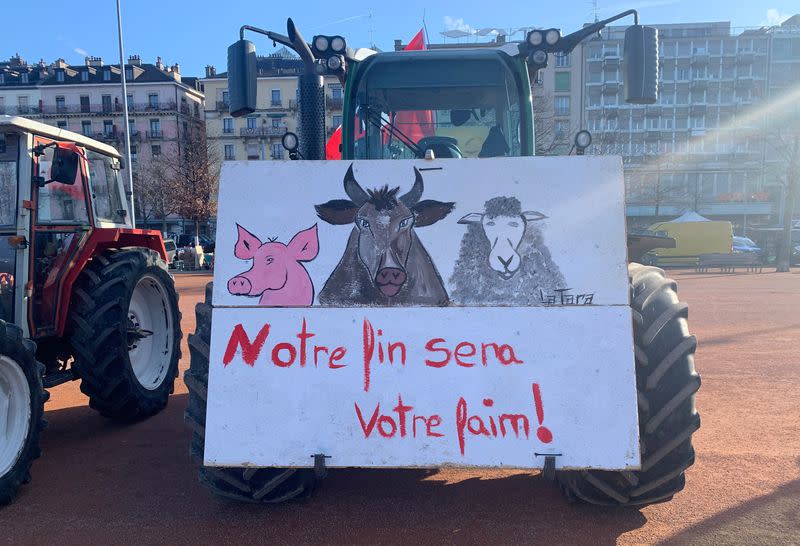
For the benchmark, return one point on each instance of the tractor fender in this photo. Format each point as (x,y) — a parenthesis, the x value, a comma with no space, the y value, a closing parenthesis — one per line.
(98,241)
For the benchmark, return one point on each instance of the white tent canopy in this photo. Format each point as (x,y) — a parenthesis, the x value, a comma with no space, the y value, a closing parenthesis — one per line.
(690,216)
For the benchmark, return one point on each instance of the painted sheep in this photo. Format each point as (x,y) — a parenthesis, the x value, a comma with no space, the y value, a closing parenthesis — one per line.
(503,259)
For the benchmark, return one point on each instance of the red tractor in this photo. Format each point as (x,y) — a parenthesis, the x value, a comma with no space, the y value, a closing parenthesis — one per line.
(83,295)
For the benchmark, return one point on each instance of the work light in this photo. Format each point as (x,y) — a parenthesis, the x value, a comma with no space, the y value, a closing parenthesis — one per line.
(338,44)
(321,43)
(552,36)
(535,37)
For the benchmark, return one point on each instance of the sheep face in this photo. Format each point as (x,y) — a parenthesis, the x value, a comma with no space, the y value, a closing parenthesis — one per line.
(503,235)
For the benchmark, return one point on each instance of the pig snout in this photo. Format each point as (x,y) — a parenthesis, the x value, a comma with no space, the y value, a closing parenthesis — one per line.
(239,286)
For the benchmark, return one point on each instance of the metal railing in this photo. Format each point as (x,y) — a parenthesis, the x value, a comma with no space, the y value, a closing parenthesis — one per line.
(155,134)
(223,106)
(262,131)
(334,103)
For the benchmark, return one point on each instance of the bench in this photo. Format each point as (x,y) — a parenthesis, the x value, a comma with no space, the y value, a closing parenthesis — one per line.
(729,262)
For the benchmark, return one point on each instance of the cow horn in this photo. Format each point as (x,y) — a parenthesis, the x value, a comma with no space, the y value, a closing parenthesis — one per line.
(356,194)
(410,199)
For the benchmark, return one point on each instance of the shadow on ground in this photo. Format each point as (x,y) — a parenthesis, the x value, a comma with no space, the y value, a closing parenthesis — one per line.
(137,483)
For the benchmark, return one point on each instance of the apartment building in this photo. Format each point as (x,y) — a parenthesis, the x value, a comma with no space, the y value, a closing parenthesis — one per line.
(258,135)
(162,105)
(702,147)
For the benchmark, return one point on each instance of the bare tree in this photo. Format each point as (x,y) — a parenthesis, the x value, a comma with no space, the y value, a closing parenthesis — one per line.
(549,138)
(154,190)
(787,147)
(193,171)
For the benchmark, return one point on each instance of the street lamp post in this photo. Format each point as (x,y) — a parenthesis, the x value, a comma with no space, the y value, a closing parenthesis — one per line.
(128,164)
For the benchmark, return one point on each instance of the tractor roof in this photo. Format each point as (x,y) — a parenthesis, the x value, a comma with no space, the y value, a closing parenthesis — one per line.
(30,126)
(509,49)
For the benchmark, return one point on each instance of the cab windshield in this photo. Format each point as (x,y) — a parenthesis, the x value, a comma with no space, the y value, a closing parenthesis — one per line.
(456,109)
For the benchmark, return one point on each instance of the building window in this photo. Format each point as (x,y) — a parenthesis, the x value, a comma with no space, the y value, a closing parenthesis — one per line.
(108,127)
(106,75)
(561,129)
(155,150)
(128,73)
(337,121)
(698,122)
(277,151)
(2,78)
(61,104)
(152,100)
(227,125)
(562,106)
(2,105)
(562,59)
(229,152)
(131,106)
(251,122)
(84,75)
(276,97)
(59,75)
(134,153)
(562,82)
(132,128)
(85,105)
(336,92)
(86,127)
(667,123)
(62,124)
(155,128)
(253,151)
(226,98)
(106,103)
(24,77)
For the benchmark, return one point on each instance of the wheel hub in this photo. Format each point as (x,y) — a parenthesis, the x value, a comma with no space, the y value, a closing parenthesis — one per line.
(150,332)
(15,412)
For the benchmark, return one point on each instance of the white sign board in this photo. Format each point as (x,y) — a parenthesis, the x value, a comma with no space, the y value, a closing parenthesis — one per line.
(420,313)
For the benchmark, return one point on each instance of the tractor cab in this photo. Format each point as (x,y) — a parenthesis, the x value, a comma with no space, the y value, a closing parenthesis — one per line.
(61,200)
(472,103)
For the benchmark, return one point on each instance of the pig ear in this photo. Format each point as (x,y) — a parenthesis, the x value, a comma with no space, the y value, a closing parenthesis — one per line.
(532,215)
(305,245)
(246,244)
(471,218)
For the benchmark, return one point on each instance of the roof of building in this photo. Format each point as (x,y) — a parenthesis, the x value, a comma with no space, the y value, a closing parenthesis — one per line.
(43,129)
(93,72)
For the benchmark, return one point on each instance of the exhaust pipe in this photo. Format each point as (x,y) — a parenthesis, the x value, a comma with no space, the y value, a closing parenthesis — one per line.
(311,99)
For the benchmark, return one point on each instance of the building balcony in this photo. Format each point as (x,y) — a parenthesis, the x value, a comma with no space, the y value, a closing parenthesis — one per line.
(156,134)
(699,59)
(104,109)
(262,132)
(612,60)
(697,109)
(135,136)
(652,134)
(20,110)
(698,84)
(108,136)
(334,103)
(222,106)
(611,87)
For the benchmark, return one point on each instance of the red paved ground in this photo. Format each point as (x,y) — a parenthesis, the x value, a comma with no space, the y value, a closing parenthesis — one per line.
(102,483)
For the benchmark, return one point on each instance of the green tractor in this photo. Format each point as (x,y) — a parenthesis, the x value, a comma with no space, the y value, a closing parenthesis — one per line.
(478,103)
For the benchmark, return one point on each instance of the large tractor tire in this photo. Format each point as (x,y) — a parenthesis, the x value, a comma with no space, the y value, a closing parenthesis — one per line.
(126,333)
(256,485)
(666,383)
(22,401)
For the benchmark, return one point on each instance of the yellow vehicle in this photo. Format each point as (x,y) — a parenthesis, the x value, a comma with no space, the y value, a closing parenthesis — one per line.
(694,235)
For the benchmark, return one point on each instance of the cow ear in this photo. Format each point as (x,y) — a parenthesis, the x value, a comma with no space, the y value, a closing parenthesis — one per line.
(472,218)
(246,244)
(532,215)
(429,212)
(305,245)
(337,211)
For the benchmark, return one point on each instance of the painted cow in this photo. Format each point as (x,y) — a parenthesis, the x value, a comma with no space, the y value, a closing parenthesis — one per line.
(277,274)
(384,262)
(503,258)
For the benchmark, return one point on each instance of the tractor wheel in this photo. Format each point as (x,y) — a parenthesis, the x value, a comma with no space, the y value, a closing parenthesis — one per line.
(126,333)
(22,401)
(666,382)
(256,485)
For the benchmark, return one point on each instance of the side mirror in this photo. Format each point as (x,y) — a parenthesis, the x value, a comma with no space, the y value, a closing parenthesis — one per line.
(640,65)
(242,75)
(65,166)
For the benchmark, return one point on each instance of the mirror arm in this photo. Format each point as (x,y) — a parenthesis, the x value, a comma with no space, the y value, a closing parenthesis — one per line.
(274,36)
(568,42)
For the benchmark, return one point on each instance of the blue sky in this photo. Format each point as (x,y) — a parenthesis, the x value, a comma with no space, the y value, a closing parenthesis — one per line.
(197,33)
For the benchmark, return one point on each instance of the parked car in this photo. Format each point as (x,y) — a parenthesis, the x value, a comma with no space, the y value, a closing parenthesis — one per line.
(745,244)
(172,250)
(206,242)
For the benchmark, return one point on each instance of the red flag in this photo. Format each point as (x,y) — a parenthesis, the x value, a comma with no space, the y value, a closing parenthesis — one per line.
(332,148)
(415,124)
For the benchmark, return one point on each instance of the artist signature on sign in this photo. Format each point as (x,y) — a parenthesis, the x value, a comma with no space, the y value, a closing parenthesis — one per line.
(562,297)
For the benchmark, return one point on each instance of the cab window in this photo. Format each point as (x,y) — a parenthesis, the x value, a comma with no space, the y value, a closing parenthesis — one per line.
(58,203)
(104,181)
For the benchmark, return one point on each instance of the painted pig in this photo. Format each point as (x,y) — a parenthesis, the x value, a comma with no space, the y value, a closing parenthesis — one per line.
(277,273)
